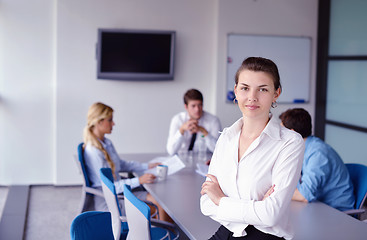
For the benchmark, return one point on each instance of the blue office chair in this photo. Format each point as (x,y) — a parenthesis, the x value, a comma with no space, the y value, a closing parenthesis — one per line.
(92,225)
(87,201)
(140,223)
(358,175)
(119,225)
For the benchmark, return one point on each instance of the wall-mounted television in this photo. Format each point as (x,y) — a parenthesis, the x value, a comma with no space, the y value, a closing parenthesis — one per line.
(124,54)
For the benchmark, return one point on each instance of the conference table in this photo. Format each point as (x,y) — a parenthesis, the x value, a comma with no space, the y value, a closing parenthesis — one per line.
(179,195)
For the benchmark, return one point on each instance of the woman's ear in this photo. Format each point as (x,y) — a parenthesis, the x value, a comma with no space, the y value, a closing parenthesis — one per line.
(277,93)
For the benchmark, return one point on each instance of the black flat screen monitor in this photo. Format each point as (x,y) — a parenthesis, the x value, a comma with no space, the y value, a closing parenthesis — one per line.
(135,54)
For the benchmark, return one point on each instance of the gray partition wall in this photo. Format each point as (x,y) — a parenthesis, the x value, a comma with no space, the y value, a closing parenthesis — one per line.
(341,103)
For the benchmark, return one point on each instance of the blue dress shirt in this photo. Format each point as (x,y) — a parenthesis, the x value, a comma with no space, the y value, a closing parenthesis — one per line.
(325,178)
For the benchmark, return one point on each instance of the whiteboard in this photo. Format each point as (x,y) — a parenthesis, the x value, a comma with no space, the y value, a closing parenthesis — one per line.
(292,55)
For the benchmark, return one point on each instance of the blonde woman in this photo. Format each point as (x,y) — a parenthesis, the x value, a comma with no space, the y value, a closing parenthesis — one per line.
(99,152)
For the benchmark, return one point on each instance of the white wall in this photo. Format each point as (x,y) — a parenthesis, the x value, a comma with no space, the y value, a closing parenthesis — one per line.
(43,106)
(26,91)
(281,17)
(142,109)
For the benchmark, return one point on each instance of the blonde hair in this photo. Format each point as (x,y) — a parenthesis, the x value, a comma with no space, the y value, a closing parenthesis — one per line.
(96,113)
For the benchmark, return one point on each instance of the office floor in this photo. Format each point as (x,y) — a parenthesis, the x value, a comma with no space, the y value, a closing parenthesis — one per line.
(51,210)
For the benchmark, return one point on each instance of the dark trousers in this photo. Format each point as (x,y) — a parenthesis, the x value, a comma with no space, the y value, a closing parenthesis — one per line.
(252,234)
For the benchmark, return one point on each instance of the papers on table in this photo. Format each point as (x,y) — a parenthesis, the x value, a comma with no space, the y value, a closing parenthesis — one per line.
(174,164)
(202,169)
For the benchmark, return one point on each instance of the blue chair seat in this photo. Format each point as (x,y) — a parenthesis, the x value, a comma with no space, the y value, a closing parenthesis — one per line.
(159,233)
(93,225)
(358,175)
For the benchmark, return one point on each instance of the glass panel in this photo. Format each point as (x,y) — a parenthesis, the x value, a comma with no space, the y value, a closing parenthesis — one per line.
(348,21)
(351,145)
(346,92)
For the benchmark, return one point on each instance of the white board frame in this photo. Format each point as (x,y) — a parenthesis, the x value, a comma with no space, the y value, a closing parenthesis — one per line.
(292,55)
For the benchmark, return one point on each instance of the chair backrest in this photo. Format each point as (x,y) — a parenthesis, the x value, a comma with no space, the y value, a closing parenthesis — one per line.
(82,164)
(92,225)
(138,216)
(109,192)
(358,175)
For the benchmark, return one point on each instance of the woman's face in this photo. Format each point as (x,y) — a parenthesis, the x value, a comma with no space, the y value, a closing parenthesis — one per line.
(105,125)
(255,93)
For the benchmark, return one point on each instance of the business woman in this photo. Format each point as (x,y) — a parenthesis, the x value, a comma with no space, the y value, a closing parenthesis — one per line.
(256,163)
(99,152)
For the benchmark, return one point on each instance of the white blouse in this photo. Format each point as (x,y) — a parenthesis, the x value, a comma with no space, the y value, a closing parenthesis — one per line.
(275,157)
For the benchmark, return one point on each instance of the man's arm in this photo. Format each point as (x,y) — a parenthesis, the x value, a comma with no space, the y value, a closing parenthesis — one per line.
(297,196)
(177,129)
(175,138)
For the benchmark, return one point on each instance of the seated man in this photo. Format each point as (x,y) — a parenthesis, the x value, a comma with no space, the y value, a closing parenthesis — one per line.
(324,178)
(186,127)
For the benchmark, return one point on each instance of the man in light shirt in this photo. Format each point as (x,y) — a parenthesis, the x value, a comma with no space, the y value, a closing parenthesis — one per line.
(192,126)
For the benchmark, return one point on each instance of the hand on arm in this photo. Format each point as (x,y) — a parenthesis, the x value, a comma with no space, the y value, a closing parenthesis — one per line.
(212,189)
(269,192)
(203,130)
